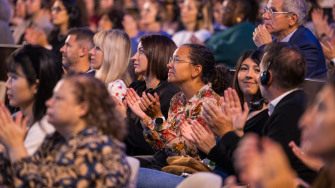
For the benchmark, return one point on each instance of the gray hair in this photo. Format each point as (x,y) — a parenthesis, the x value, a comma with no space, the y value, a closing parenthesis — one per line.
(298,7)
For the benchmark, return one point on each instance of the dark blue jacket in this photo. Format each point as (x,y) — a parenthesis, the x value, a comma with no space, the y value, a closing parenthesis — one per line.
(310,46)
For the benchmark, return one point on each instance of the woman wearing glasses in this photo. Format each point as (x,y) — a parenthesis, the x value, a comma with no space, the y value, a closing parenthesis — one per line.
(85,150)
(65,14)
(192,69)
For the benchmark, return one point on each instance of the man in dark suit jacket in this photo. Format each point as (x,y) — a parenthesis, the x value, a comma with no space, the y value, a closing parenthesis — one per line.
(282,22)
(282,72)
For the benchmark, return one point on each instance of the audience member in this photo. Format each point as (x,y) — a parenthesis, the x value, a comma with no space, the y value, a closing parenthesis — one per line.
(150,62)
(228,45)
(192,69)
(32,75)
(5,33)
(197,22)
(282,72)
(283,21)
(110,58)
(171,14)
(84,151)
(111,19)
(150,22)
(131,27)
(38,14)
(65,14)
(269,167)
(220,118)
(75,52)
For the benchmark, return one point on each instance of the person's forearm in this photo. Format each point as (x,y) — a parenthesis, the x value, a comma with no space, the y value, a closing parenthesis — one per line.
(17,153)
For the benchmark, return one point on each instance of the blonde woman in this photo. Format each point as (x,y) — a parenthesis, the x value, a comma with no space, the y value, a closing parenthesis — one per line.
(110,58)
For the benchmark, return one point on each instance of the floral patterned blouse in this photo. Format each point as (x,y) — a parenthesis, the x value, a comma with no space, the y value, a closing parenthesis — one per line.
(89,159)
(168,136)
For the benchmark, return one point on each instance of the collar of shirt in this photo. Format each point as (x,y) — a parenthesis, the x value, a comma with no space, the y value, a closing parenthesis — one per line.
(200,93)
(274,102)
(288,37)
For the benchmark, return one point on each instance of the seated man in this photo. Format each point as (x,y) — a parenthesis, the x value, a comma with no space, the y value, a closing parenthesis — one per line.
(75,52)
(282,72)
(283,21)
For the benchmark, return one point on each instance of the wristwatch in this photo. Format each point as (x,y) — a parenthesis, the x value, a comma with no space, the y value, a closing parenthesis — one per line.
(159,121)
(332,61)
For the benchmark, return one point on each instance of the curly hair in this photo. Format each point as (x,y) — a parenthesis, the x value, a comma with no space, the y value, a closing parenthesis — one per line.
(101,111)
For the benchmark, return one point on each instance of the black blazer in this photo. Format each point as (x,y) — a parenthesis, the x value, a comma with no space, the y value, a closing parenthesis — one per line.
(311,49)
(281,126)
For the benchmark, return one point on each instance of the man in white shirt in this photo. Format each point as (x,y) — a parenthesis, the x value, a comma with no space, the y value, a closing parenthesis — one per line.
(282,72)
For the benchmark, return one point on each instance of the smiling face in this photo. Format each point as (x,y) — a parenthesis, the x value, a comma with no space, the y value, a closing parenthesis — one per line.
(248,77)
(63,107)
(140,61)
(318,125)
(19,92)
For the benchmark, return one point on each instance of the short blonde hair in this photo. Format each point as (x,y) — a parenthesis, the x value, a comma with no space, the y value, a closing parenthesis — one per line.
(115,45)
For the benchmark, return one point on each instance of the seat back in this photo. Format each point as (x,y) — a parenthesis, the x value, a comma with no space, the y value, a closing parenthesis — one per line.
(134,166)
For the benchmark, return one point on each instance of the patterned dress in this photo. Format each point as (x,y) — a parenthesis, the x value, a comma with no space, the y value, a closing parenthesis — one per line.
(89,159)
(168,136)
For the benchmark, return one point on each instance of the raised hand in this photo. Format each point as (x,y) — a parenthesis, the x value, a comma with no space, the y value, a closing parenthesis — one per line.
(134,102)
(328,49)
(238,115)
(12,133)
(202,137)
(217,117)
(150,105)
(320,22)
(312,162)
(261,36)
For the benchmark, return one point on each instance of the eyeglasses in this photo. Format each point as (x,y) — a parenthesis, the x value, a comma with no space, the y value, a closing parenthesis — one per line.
(273,12)
(56,9)
(175,60)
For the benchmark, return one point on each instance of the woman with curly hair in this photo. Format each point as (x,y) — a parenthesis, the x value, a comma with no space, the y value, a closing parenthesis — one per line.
(85,150)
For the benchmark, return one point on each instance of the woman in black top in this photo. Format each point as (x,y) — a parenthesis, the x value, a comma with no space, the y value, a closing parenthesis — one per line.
(150,62)
(66,14)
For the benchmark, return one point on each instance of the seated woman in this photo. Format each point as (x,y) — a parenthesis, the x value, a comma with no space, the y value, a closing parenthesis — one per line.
(192,69)
(32,75)
(220,118)
(150,62)
(85,150)
(196,21)
(271,164)
(110,58)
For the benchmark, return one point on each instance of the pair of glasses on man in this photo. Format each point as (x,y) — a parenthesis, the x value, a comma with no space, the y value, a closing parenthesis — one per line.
(273,12)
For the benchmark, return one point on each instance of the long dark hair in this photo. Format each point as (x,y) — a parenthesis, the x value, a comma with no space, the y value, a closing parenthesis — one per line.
(158,49)
(255,56)
(217,75)
(38,66)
